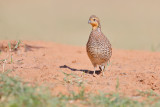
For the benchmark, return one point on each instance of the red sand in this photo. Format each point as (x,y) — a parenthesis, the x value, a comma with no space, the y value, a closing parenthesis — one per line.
(44,62)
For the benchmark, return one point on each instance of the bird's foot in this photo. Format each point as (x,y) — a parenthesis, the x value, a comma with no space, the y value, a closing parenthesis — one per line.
(102,74)
(94,75)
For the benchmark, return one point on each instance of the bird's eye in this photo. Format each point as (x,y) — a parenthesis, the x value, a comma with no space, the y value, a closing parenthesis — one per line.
(94,19)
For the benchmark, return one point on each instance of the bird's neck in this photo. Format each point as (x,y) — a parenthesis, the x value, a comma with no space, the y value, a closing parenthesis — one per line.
(96,29)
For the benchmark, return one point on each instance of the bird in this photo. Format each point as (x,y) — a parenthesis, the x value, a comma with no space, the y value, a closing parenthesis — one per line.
(98,47)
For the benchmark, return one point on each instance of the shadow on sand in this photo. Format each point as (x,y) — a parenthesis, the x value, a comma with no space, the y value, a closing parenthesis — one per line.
(82,70)
(30,47)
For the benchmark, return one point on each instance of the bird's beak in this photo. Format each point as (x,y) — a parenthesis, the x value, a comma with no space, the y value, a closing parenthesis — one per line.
(89,21)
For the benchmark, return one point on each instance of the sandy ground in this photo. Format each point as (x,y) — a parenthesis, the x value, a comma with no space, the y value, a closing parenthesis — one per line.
(44,63)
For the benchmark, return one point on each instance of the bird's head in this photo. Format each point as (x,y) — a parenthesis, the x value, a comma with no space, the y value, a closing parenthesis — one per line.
(94,21)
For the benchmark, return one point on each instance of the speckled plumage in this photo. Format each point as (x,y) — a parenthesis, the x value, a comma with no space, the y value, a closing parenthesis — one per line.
(98,47)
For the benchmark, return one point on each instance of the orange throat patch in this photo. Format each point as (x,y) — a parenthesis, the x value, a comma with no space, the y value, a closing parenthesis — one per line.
(94,26)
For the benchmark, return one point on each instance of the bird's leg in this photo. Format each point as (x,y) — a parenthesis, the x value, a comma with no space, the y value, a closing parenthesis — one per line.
(94,72)
(100,68)
(103,70)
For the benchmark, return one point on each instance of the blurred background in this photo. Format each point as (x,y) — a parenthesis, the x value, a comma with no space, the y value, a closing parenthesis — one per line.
(129,24)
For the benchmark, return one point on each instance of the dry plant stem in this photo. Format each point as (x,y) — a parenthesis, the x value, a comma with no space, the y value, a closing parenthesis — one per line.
(4,63)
